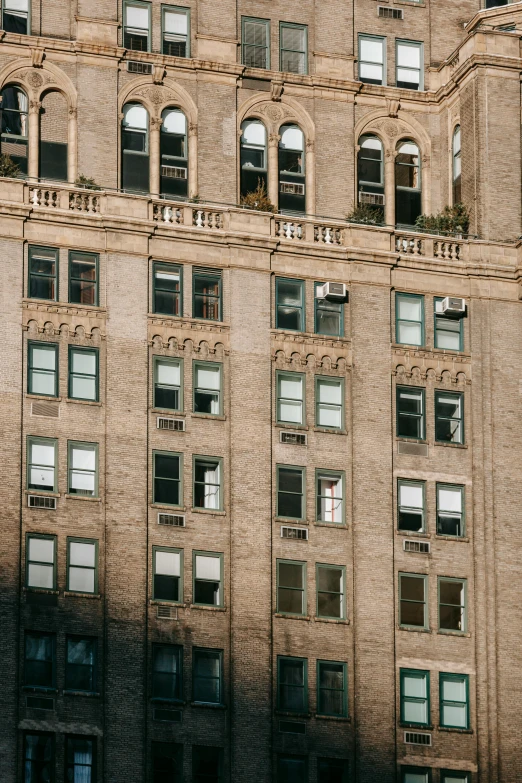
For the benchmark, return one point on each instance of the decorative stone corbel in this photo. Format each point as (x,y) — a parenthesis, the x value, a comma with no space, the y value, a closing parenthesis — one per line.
(158,74)
(392,106)
(37,56)
(276,90)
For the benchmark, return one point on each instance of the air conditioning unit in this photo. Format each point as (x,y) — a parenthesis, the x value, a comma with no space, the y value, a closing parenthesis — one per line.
(294,438)
(41,501)
(174,172)
(166,715)
(417,738)
(334,291)
(172,520)
(175,425)
(292,187)
(137,67)
(421,547)
(167,613)
(390,13)
(453,305)
(377,199)
(297,533)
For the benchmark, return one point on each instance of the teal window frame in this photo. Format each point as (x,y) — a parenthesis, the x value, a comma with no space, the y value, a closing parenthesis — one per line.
(382,40)
(217,555)
(33,253)
(180,10)
(157,359)
(80,255)
(45,563)
(304,661)
(438,317)
(334,474)
(463,606)
(325,767)
(55,348)
(303,52)
(52,637)
(178,481)
(28,17)
(413,45)
(300,309)
(399,295)
(286,773)
(451,677)
(341,594)
(343,690)
(209,274)
(450,775)
(280,375)
(329,379)
(461,516)
(426,771)
(197,363)
(195,676)
(302,494)
(302,564)
(330,307)
(176,296)
(424,578)
(421,417)
(93,666)
(177,676)
(35,440)
(79,349)
(69,565)
(419,674)
(180,576)
(244,45)
(411,510)
(459,419)
(148,6)
(210,459)
(85,446)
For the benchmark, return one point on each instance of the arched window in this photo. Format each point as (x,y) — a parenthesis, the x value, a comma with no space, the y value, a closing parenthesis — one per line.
(14,125)
(457,167)
(174,153)
(135,148)
(291,169)
(370,173)
(253,156)
(408,202)
(54,132)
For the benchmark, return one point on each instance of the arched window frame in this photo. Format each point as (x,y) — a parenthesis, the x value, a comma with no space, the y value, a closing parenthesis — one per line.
(371,192)
(11,119)
(292,184)
(130,178)
(251,153)
(174,186)
(456,165)
(416,203)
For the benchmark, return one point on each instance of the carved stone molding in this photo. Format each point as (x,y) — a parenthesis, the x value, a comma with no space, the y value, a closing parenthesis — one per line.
(159,73)
(37,56)
(304,350)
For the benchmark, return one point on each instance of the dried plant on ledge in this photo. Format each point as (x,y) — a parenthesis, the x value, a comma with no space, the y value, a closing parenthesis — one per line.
(365,213)
(258,199)
(86,182)
(8,168)
(451,220)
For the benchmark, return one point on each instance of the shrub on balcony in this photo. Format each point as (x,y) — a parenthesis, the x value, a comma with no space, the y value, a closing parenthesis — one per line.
(258,199)
(86,182)
(8,168)
(365,213)
(451,220)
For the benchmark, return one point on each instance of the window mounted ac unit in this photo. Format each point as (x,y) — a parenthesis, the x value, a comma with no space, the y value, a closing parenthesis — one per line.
(377,199)
(166,715)
(390,13)
(167,613)
(175,425)
(297,533)
(136,67)
(334,291)
(172,520)
(173,172)
(294,438)
(39,703)
(296,188)
(41,501)
(422,547)
(417,738)
(453,305)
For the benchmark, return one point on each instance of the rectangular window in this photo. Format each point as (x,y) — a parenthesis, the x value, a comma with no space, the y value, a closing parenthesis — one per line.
(450,510)
(83,373)
(41,562)
(82,565)
(83,278)
(290,397)
(207,483)
(410,412)
(166,291)
(452,604)
(207,676)
(207,571)
(83,469)
(80,755)
(207,388)
(332,771)
(329,316)
(168,385)
(167,672)
(136,26)
(38,758)
(16,16)
(329,492)
(411,506)
(330,582)
(42,369)
(292,684)
(293,43)
(452,776)
(332,689)
(372,56)
(43,273)
(40,663)
(415,697)
(415,775)
(413,610)
(449,417)
(409,65)
(449,332)
(41,464)
(292,769)
(167,484)
(329,395)
(290,309)
(80,666)
(409,319)
(291,587)
(206,294)
(255,42)
(290,492)
(176,31)
(167,762)
(207,764)
(167,571)
(454,700)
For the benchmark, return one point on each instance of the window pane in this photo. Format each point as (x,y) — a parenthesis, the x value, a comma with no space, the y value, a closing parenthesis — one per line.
(43,358)
(455,715)
(371,50)
(408,56)
(452,593)
(412,588)
(411,495)
(410,401)
(137,16)
(415,686)
(81,579)
(370,72)
(83,362)
(82,554)
(168,372)
(168,563)
(83,458)
(411,334)
(415,712)
(415,777)
(330,392)
(41,454)
(176,22)
(289,293)
(410,308)
(208,377)
(208,567)
(40,576)
(291,575)
(41,549)
(450,499)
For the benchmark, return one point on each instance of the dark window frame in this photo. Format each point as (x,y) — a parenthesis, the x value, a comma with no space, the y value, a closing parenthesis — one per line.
(40,344)
(70,374)
(177,653)
(198,272)
(45,537)
(179,481)
(447,677)
(28,685)
(51,736)
(93,667)
(177,296)
(180,577)
(77,540)
(93,766)
(344,690)
(417,674)
(93,257)
(32,253)
(219,655)
(420,416)
(301,307)
(438,418)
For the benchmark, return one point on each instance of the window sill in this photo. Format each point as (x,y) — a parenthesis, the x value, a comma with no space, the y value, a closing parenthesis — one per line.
(95,403)
(283,714)
(454,729)
(208,608)
(83,497)
(159,602)
(40,590)
(214,512)
(339,525)
(167,508)
(291,425)
(450,445)
(416,726)
(331,620)
(463,634)
(405,439)
(47,397)
(291,521)
(464,539)
(305,617)
(89,694)
(340,718)
(74,594)
(208,705)
(42,494)
(168,412)
(168,702)
(215,416)
(413,629)
(331,430)
(409,533)
(38,689)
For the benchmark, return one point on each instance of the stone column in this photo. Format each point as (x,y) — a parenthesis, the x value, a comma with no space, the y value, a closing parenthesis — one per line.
(192,160)
(72,146)
(389,187)
(154,155)
(273,168)
(310,178)
(34,139)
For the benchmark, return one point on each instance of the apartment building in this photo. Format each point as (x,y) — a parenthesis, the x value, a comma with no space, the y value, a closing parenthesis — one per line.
(261,487)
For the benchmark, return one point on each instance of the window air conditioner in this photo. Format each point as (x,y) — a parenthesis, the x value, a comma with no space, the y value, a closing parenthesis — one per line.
(334,291)
(453,305)
(377,199)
